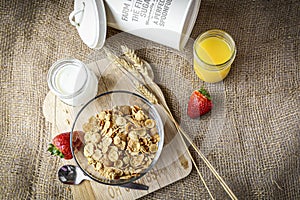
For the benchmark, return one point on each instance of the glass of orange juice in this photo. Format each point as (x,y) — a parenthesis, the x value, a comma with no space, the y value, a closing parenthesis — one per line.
(214,52)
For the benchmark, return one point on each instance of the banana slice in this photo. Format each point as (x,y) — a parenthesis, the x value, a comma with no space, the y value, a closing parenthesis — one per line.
(107,163)
(128,126)
(120,121)
(118,164)
(113,155)
(141,132)
(114,148)
(87,137)
(87,127)
(150,123)
(125,110)
(153,131)
(97,155)
(100,145)
(93,120)
(104,149)
(133,135)
(126,160)
(95,138)
(106,141)
(137,160)
(88,150)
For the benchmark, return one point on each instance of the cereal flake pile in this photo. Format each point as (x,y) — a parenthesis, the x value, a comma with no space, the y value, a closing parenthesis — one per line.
(120,143)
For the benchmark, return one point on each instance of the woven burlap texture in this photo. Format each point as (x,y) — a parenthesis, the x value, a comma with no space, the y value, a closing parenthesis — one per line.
(257,152)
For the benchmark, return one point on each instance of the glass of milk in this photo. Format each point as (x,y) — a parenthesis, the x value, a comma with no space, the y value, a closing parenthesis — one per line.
(72,82)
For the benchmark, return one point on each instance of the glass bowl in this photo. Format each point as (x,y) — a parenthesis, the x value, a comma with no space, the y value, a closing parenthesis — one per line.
(122,137)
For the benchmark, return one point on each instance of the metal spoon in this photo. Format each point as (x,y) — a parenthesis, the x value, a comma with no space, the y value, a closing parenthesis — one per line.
(73,175)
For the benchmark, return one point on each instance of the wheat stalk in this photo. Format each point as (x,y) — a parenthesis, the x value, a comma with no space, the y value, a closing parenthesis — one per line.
(144,90)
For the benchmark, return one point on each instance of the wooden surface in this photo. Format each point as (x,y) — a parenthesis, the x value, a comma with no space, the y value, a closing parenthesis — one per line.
(173,164)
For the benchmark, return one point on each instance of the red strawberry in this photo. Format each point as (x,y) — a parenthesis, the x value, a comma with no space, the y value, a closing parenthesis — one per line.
(61,145)
(199,103)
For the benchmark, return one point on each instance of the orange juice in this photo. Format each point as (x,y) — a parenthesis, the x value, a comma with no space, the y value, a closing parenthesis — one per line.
(214,51)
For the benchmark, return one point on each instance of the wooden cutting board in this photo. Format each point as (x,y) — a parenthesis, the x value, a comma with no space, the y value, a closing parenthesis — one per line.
(173,164)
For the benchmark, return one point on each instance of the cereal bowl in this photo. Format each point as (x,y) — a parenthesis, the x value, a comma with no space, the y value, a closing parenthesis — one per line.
(122,137)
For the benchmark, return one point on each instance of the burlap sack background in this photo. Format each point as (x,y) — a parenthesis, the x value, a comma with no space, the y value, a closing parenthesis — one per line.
(258,151)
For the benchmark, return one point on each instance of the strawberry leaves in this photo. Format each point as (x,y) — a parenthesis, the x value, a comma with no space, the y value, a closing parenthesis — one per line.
(55,151)
(203,91)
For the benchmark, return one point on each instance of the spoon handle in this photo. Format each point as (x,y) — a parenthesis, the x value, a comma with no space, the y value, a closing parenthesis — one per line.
(135,186)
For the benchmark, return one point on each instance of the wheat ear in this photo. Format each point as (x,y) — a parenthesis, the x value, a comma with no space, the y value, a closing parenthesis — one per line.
(146,93)
(135,59)
(128,66)
(132,55)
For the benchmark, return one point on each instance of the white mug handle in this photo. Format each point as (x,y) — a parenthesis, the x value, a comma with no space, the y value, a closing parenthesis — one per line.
(74,13)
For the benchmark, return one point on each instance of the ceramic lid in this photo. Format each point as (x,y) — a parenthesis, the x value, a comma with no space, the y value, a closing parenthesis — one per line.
(89,18)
